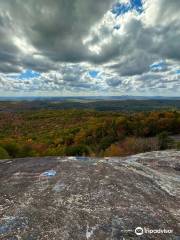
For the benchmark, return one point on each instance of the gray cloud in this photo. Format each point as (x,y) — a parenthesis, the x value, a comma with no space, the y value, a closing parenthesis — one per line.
(55,27)
(64,39)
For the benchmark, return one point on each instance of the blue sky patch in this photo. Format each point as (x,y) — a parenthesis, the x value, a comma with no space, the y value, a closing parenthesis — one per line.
(122,8)
(93,73)
(158,66)
(28,74)
(137,5)
(178,71)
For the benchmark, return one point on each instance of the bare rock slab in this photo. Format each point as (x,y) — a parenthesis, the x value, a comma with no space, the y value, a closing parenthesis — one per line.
(61,198)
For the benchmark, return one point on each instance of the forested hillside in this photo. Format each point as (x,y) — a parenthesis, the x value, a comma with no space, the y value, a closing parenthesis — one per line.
(128,105)
(85,132)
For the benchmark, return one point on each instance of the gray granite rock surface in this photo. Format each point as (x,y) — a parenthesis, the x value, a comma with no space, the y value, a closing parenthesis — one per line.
(73,198)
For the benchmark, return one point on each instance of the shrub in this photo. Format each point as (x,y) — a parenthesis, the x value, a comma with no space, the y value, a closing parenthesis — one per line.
(164,141)
(178,145)
(12,148)
(27,151)
(106,142)
(58,151)
(113,151)
(79,150)
(3,153)
(132,145)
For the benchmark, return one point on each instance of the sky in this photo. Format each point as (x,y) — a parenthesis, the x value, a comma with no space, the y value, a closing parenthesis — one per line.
(89,47)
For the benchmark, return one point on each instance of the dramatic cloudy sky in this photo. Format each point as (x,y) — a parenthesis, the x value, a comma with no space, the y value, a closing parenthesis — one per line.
(89,47)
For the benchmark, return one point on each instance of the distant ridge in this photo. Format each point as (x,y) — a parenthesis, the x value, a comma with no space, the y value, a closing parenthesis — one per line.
(65,98)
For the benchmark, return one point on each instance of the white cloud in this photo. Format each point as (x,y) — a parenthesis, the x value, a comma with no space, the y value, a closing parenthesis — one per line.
(65,41)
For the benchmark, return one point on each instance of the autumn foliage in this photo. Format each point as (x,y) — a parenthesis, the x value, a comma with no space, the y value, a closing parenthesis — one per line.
(85,132)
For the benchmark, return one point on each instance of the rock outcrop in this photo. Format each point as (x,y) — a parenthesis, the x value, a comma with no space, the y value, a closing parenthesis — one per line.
(73,198)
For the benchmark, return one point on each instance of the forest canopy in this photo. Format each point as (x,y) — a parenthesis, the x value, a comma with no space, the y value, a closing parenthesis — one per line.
(85,132)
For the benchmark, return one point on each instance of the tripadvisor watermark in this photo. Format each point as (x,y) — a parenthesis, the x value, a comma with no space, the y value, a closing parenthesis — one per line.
(140,231)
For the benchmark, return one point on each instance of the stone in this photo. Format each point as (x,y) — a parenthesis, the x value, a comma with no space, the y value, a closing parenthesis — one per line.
(91,198)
